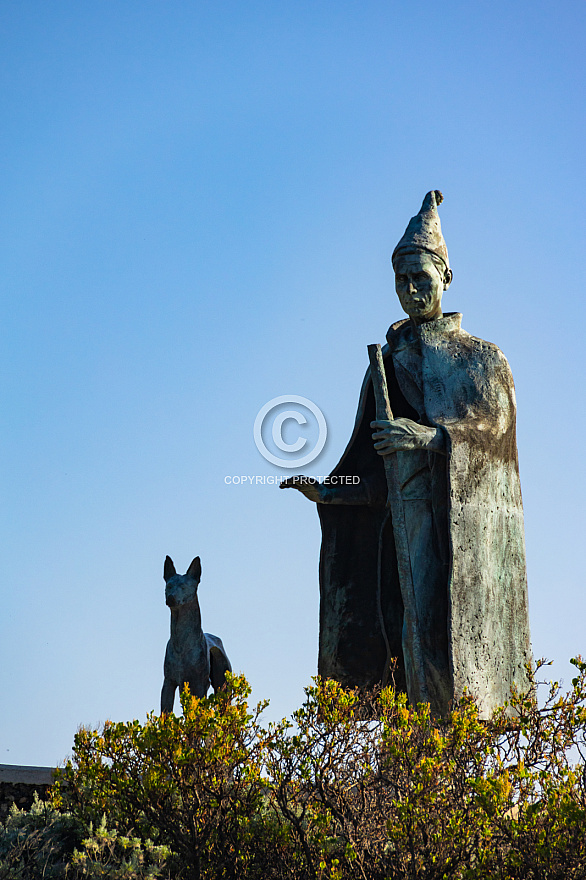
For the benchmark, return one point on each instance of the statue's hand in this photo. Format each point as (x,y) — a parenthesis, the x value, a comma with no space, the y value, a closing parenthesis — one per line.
(308,486)
(404,435)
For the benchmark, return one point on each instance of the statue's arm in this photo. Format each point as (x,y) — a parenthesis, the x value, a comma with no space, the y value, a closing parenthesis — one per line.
(400,435)
(336,489)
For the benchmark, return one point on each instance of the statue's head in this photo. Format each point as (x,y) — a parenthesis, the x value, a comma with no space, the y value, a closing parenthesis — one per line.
(420,281)
(420,261)
(181,589)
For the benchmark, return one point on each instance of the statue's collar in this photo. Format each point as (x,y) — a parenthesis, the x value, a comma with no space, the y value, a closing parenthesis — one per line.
(402,333)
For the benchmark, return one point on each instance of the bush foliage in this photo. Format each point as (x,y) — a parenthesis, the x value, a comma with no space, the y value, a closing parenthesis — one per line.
(356,786)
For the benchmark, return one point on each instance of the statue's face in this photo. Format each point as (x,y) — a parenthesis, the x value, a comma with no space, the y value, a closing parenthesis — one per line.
(420,283)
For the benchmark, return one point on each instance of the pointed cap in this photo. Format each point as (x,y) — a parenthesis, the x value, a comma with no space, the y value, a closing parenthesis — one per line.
(424,232)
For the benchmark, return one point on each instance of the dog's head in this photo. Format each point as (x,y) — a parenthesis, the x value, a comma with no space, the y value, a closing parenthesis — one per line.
(181,588)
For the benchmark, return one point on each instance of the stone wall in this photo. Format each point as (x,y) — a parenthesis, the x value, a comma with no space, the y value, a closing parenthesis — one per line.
(18,785)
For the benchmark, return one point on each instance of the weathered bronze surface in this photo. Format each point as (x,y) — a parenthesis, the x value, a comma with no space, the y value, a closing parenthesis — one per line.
(455,457)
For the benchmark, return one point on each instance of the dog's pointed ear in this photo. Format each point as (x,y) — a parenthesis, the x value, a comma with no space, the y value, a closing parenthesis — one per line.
(194,570)
(169,569)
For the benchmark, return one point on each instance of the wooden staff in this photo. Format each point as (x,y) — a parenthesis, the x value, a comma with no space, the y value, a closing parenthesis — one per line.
(412,651)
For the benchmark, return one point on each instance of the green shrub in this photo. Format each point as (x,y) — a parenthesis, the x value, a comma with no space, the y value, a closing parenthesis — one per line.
(38,842)
(107,854)
(405,796)
(355,786)
(48,843)
(192,783)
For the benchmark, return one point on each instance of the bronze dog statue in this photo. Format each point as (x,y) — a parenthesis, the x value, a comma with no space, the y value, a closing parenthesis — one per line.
(192,656)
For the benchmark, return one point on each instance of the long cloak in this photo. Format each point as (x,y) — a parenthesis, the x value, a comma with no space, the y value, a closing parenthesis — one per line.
(468,393)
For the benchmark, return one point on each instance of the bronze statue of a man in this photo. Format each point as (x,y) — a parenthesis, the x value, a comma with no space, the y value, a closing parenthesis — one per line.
(453,399)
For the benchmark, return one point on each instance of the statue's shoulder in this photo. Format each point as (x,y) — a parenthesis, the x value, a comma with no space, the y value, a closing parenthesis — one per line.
(477,343)
(398,334)
(483,351)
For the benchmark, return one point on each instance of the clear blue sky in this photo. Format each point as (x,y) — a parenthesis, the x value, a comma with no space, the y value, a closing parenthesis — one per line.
(199,200)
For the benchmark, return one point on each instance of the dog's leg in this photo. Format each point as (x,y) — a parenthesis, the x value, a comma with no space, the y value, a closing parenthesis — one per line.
(167,696)
(219,666)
